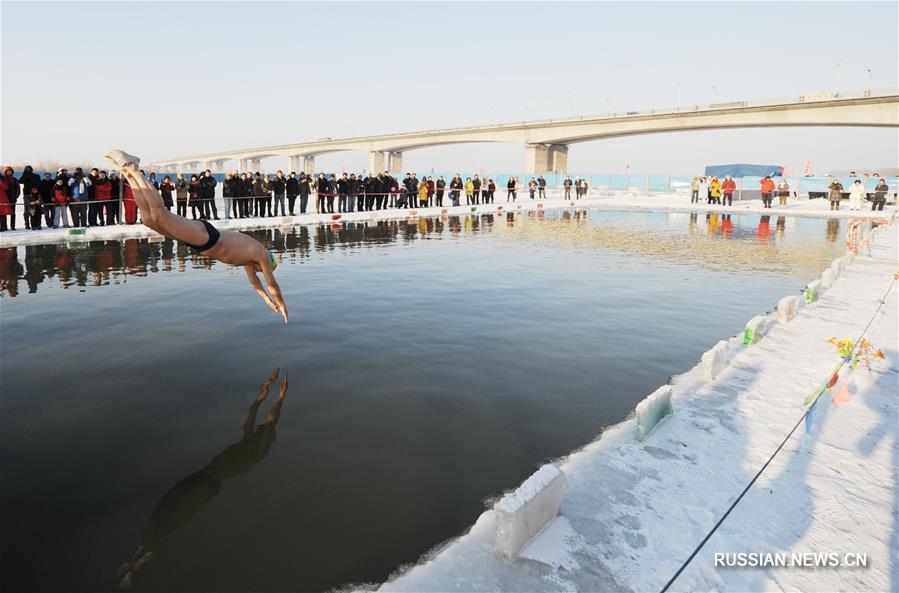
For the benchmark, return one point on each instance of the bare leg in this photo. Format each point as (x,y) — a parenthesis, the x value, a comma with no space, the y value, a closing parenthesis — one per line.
(155,215)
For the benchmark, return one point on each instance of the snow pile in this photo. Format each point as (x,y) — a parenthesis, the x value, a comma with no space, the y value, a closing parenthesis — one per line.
(755,329)
(651,410)
(521,514)
(714,361)
(786,308)
(812,291)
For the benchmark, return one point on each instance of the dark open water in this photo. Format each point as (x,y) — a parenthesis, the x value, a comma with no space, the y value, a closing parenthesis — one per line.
(432,364)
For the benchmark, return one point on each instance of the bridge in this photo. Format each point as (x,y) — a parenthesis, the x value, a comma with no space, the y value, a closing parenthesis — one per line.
(548,141)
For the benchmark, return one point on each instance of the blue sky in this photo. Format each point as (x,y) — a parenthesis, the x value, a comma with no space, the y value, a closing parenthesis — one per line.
(169,79)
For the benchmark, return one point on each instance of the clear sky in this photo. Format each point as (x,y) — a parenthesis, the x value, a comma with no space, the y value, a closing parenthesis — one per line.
(164,80)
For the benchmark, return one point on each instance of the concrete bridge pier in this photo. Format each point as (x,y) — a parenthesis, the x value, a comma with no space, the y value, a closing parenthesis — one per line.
(243,165)
(218,166)
(537,159)
(294,166)
(395,161)
(255,165)
(558,158)
(376,162)
(308,164)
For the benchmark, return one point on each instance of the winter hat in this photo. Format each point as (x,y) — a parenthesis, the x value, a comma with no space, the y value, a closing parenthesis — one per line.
(7,170)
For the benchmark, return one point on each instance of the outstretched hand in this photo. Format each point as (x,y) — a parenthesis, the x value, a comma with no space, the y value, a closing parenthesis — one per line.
(274,300)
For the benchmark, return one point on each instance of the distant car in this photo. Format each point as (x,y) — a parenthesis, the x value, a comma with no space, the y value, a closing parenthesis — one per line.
(822,96)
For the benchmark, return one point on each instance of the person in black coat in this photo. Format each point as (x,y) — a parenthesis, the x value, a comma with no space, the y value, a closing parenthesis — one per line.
(372,186)
(45,189)
(305,190)
(232,189)
(321,190)
(343,190)
(440,185)
(292,187)
(208,183)
(455,188)
(29,180)
(112,207)
(246,195)
(279,185)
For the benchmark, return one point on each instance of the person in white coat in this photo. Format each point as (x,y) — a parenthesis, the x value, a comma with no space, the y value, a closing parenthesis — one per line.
(703,189)
(856,195)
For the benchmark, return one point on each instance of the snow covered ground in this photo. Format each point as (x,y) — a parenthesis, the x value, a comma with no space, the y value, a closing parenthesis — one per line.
(632,512)
(600,200)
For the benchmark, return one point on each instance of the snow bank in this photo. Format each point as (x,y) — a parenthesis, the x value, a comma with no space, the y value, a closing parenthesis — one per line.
(787,308)
(827,278)
(837,266)
(812,291)
(521,514)
(755,329)
(651,410)
(714,361)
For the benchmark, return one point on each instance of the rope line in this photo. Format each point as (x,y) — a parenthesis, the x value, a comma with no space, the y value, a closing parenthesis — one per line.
(776,451)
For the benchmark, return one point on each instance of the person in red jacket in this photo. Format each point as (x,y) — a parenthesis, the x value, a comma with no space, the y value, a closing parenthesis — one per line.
(60,200)
(103,194)
(767,190)
(6,208)
(130,204)
(727,191)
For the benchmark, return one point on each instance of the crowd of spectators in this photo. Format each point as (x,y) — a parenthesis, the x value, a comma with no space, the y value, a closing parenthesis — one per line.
(79,200)
(95,199)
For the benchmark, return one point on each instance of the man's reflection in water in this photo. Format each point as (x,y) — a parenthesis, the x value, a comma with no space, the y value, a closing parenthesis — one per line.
(185,498)
(10,270)
(833,229)
(727,226)
(763,231)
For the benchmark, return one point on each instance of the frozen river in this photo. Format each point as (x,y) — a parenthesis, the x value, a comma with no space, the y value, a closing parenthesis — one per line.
(433,364)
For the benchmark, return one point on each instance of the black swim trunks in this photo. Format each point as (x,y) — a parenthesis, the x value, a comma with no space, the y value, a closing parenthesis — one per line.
(213,238)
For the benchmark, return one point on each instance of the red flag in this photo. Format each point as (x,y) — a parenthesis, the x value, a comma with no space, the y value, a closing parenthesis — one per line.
(842,395)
